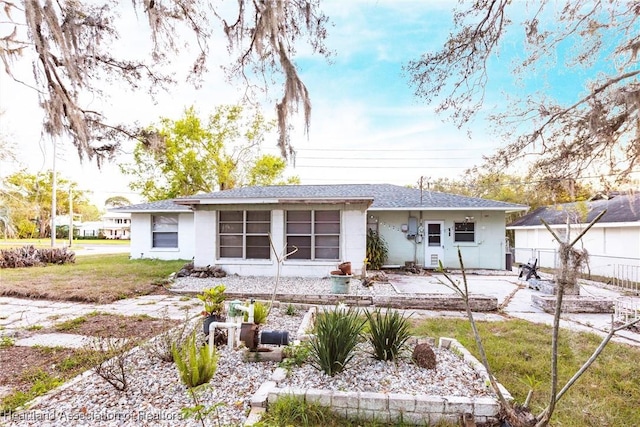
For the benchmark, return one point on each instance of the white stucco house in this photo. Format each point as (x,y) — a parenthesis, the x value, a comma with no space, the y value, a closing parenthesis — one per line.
(113,225)
(327,223)
(613,243)
(116,225)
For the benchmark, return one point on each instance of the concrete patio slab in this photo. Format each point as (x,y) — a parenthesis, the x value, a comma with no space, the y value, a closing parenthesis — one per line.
(512,294)
(55,340)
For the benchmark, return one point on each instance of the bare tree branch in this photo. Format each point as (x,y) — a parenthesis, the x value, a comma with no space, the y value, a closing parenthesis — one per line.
(70,44)
(597,133)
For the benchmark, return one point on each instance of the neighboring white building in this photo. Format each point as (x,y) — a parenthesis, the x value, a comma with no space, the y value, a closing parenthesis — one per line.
(327,223)
(113,225)
(613,243)
(89,229)
(116,225)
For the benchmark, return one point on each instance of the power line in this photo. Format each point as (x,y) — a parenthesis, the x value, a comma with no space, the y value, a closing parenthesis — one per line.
(388,158)
(408,150)
(377,167)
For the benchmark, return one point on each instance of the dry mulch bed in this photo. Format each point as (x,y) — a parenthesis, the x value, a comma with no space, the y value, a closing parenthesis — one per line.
(76,291)
(117,326)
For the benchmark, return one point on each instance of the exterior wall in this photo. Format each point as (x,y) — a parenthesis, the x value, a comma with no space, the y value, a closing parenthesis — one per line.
(197,236)
(607,244)
(352,242)
(487,251)
(90,229)
(141,242)
(205,240)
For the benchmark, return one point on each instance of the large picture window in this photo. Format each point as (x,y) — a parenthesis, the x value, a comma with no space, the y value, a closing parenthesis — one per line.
(464,232)
(316,234)
(164,231)
(244,234)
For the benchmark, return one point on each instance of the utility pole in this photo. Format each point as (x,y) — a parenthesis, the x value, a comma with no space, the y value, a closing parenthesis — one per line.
(70,216)
(421,184)
(54,189)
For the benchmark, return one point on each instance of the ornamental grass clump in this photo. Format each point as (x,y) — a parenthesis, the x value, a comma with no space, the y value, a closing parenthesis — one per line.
(388,333)
(196,364)
(336,335)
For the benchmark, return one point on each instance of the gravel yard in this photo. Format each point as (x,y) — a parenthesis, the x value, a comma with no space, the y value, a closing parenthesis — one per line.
(286,285)
(156,396)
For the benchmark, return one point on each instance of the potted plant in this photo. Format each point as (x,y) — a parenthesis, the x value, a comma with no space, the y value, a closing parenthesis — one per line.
(213,309)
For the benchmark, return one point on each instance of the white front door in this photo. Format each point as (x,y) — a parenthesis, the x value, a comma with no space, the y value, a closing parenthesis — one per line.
(434,246)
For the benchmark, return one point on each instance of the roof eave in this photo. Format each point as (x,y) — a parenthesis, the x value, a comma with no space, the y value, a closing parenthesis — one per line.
(442,208)
(275,201)
(159,210)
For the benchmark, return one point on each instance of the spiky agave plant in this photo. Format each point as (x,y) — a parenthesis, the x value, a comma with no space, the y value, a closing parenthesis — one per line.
(337,332)
(388,333)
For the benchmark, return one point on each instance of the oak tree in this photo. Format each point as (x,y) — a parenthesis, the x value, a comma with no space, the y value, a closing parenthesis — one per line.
(191,155)
(596,133)
(70,45)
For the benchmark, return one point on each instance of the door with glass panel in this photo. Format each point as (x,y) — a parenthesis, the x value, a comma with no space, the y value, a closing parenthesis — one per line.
(433,244)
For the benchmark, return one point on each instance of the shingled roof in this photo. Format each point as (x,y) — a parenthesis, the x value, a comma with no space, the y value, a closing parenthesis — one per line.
(159,206)
(620,208)
(381,197)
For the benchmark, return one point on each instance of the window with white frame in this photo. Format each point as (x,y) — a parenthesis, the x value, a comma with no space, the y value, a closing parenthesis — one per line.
(464,232)
(244,234)
(316,234)
(164,231)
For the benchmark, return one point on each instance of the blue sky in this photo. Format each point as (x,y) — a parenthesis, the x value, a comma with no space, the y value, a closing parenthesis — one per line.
(366,126)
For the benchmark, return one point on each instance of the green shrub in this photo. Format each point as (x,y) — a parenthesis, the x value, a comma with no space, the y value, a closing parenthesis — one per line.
(336,334)
(377,250)
(260,313)
(388,333)
(196,364)
(213,300)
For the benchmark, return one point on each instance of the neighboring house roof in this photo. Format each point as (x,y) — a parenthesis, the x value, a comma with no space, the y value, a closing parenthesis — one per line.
(379,196)
(620,208)
(159,206)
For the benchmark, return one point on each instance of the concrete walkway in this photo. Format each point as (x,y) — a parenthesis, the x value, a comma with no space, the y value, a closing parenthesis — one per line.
(514,298)
(21,318)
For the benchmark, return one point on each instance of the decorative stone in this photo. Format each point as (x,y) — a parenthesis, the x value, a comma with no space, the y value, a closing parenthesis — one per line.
(423,356)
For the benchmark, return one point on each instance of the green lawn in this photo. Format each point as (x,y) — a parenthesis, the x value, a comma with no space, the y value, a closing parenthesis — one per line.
(608,394)
(46,243)
(94,278)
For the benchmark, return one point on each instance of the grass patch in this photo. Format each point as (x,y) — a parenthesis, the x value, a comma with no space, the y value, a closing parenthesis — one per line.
(45,369)
(34,327)
(46,243)
(290,410)
(96,278)
(516,349)
(41,382)
(6,341)
(70,324)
